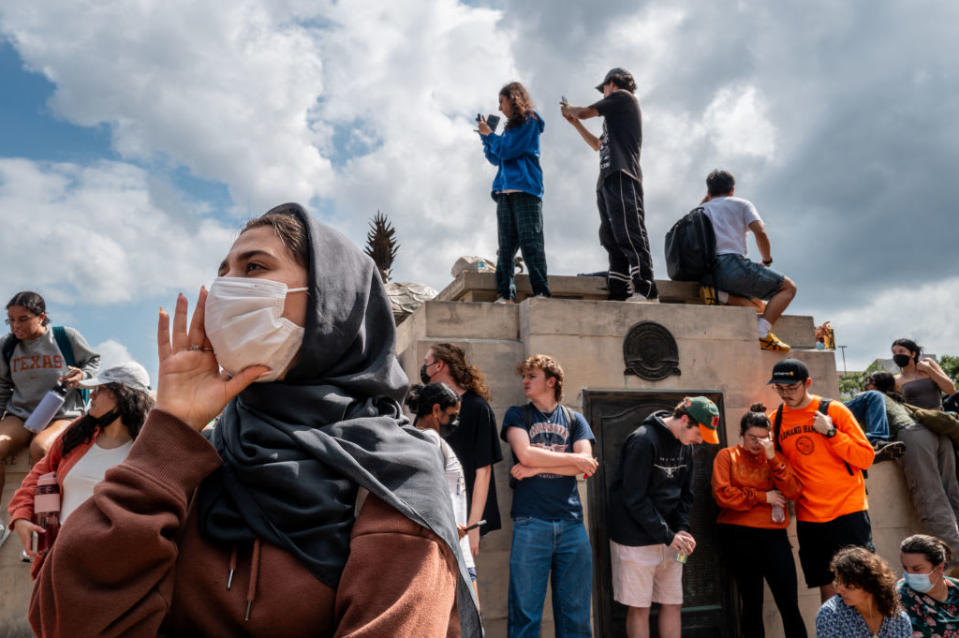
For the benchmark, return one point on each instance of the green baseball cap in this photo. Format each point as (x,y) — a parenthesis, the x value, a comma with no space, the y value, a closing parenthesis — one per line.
(706,414)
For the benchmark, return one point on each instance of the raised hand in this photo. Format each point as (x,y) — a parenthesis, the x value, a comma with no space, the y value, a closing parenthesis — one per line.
(769,447)
(190,386)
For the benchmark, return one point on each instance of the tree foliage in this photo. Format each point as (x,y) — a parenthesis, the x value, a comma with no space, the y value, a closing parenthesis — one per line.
(950,365)
(381,244)
(853,382)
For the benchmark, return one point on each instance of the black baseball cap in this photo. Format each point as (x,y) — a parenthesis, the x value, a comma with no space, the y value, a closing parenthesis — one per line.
(789,371)
(615,71)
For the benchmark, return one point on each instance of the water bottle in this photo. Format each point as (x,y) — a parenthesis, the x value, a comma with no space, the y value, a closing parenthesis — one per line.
(46,510)
(779,514)
(48,407)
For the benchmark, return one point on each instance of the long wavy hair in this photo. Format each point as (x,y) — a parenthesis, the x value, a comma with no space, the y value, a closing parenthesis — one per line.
(133,406)
(466,376)
(521,105)
(858,567)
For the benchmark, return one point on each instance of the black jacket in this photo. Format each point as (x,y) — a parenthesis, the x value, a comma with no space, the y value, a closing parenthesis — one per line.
(651,493)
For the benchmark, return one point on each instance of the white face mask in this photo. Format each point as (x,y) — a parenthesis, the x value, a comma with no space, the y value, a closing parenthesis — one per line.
(243,322)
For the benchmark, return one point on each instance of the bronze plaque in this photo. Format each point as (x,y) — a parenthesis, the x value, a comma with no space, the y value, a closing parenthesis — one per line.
(650,351)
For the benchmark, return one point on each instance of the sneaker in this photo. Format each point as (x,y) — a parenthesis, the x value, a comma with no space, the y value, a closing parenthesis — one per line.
(637,298)
(888,450)
(4,533)
(771,342)
(708,295)
(502,300)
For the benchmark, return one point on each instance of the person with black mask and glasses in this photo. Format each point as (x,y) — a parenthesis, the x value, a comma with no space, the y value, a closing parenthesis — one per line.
(436,411)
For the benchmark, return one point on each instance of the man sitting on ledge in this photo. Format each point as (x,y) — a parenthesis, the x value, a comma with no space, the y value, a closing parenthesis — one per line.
(744,281)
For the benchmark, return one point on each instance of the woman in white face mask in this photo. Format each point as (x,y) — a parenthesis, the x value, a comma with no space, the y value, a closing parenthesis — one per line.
(930,598)
(249,529)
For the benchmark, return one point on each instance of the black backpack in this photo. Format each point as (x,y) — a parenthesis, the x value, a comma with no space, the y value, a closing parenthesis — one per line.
(691,247)
(824,410)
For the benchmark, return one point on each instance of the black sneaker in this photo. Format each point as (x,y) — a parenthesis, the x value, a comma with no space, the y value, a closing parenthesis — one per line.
(888,450)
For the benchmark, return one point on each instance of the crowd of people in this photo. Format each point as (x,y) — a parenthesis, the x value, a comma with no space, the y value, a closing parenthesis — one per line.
(270,483)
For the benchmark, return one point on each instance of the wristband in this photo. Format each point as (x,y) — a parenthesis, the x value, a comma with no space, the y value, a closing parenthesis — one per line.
(768,262)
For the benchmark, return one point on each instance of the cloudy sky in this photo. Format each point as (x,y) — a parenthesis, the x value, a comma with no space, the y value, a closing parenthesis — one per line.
(135,138)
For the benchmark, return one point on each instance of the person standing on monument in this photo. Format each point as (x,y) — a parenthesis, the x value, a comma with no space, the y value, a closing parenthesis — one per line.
(735,275)
(517,191)
(619,192)
(648,514)
(827,450)
(551,445)
(475,441)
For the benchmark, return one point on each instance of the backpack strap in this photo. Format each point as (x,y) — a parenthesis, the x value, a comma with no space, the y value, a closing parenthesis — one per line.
(63,342)
(8,347)
(66,349)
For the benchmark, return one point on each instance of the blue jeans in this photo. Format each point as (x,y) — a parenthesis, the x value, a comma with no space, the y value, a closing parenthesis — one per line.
(869,408)
(540,547)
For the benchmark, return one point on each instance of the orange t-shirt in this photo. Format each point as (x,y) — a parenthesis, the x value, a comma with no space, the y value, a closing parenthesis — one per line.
(740,482)
(829,488)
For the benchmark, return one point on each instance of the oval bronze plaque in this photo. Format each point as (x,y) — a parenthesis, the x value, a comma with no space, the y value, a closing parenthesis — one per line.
(650,352)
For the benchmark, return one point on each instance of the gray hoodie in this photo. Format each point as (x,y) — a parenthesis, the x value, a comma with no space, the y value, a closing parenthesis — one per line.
(34,368)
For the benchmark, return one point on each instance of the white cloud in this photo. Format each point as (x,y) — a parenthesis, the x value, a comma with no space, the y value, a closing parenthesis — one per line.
(112,353)
(737,123)
(92,234)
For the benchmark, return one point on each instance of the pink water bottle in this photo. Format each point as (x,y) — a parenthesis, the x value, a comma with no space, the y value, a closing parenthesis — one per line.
(46,510)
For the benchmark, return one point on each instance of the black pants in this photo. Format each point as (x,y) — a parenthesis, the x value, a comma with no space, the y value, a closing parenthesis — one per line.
(753,554)
(622,232)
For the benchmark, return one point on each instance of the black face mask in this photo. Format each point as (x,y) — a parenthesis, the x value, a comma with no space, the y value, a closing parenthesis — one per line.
(901,360)
(425,378)
(446,429)
(106,419)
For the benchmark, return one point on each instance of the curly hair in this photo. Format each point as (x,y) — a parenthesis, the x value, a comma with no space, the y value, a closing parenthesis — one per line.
(858,567)
(133,406)
(520,103)
(466,376)
(32,302)
(550,368)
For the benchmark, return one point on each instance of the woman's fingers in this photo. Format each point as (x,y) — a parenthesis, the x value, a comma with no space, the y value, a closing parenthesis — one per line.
(197,335)
(181,341)
(163,335)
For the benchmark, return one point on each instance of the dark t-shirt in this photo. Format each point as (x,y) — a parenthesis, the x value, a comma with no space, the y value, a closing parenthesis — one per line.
(549,497)
(622,135)
(476,445)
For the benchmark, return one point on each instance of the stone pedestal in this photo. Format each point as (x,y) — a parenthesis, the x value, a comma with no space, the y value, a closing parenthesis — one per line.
(718,352)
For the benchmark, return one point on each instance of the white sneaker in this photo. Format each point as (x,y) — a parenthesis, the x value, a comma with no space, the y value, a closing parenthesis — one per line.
(4,533)
(637,298)
(503,300)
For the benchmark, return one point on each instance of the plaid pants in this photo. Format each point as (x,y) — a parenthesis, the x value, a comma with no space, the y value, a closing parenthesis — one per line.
(519,225)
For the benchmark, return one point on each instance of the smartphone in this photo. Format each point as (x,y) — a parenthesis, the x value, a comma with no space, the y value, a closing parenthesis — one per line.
(492,121)
(563,101)
(477,523)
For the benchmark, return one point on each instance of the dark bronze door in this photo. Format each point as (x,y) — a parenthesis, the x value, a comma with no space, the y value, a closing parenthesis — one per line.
(708,608)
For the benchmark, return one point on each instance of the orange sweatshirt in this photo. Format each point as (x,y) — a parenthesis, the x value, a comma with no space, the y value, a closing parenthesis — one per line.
(830,489)
(740,483)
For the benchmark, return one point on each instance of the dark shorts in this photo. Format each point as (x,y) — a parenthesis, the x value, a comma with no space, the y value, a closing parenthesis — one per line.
(738,276)
(819,542)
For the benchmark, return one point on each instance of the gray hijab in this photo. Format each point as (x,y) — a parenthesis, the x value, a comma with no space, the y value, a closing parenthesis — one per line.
(295,451)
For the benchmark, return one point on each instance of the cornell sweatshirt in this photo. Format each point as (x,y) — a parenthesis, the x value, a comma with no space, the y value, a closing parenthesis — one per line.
(35,367)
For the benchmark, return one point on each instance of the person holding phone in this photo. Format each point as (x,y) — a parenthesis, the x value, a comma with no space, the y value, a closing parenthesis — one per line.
(517,191)
(751,484)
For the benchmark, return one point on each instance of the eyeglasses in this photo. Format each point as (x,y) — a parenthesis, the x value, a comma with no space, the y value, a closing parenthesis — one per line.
(752,438)
(780,388)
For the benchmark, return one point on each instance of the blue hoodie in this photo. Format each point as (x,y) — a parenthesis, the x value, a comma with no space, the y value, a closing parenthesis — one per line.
(516,154)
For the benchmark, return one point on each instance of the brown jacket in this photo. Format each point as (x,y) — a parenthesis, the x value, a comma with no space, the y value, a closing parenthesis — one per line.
(131,562)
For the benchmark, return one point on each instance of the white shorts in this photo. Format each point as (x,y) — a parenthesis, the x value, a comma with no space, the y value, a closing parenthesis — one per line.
(646,574)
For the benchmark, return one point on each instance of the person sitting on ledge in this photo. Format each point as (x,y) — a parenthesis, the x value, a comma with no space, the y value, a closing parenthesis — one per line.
(743,280)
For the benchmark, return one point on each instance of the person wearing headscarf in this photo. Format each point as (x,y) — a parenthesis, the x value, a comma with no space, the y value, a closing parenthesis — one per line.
(251,529)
